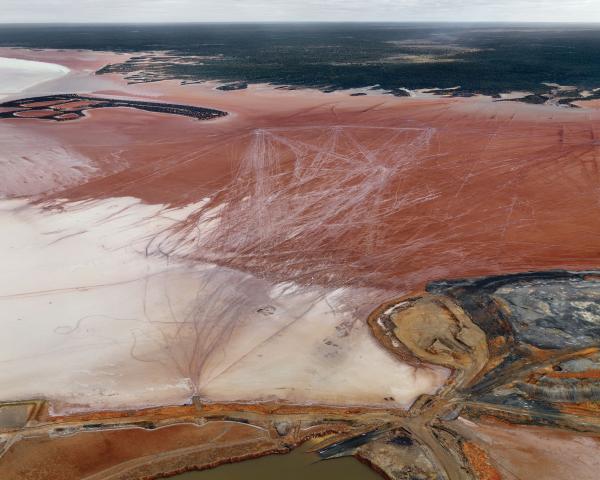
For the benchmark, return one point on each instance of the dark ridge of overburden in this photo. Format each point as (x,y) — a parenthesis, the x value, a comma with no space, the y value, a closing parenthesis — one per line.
(199,113)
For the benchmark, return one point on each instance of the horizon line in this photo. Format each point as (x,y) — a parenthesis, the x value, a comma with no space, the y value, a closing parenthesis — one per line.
(338,22)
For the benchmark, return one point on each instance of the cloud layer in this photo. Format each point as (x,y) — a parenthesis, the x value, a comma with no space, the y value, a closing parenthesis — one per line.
(294,10)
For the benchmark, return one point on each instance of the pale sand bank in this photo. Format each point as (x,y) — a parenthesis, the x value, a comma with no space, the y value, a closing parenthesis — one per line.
(17,75)
(92,318)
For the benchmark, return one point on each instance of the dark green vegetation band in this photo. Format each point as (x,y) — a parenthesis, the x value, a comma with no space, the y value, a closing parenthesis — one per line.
(479,58)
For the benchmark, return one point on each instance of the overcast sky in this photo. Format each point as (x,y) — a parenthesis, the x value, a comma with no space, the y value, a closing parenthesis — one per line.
(297,10)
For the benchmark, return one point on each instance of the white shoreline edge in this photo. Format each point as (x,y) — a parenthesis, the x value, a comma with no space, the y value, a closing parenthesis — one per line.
(18,75)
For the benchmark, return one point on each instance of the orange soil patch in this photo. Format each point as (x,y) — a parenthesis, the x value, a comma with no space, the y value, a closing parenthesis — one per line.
(35,113)
(582,409)
(170,413)
(136,452)
(480,462)
(67,116)
(48,103)
(595,374)
(74,105)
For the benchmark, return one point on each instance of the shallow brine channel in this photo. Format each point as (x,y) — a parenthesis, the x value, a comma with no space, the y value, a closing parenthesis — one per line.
(299,464)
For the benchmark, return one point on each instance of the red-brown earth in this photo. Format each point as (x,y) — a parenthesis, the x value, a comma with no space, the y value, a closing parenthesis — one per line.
(492,188)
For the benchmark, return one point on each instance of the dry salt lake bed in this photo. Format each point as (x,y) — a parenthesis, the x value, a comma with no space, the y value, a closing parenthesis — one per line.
(408,280)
